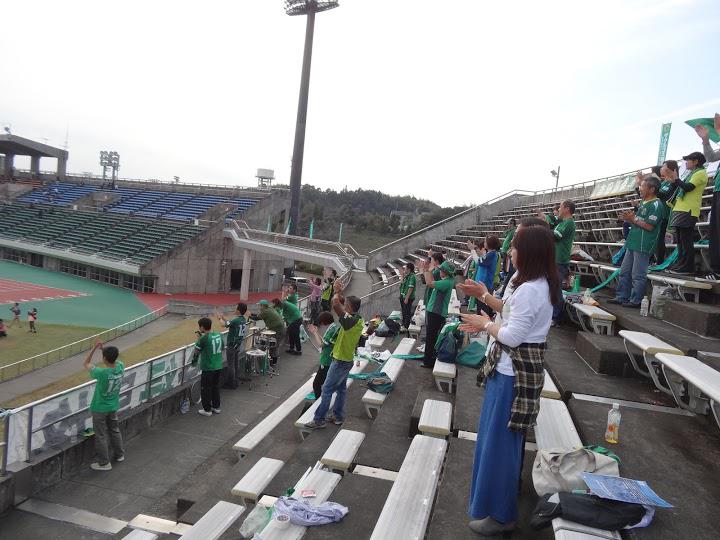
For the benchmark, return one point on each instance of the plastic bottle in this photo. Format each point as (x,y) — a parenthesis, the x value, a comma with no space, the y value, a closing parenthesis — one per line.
(644,307)
(612,432)
(587,297)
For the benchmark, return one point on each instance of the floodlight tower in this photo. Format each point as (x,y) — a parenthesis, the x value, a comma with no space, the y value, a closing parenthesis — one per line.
(308,8)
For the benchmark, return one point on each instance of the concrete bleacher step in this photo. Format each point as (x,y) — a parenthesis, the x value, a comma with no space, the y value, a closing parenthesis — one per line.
(426,391)
(701,319)
(605,354)
(468,398)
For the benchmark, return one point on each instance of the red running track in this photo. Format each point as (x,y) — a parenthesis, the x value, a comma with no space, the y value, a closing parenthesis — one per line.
(155,301)
(18,291)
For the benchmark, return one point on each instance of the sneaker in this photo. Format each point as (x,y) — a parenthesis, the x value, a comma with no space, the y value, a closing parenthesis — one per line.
(631,305)
(97,467)
(710,278)
(616,301)
(203,412)
(331,418)
(120,459)
(290,351)
(316,425)
(216,411)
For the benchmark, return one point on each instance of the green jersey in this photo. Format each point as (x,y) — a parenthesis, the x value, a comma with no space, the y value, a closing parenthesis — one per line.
(440,296)
(209,348)
(236,330)
(652,213)
(273,321)
(428,290)
(106,397)
(564,237)
(509,235)
(348,337)
(292,298)
(290,312)
(328,342)
(408,283)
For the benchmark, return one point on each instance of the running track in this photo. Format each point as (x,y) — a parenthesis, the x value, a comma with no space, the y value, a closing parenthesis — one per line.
(18,291)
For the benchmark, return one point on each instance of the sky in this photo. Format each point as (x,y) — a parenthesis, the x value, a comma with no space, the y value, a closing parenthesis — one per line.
(456,101)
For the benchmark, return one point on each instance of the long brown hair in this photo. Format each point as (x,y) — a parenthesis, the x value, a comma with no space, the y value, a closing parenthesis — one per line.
(535,247)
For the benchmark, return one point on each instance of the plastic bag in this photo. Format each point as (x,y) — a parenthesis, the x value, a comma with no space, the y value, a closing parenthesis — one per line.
(256,521)
(472,355)
(661,294)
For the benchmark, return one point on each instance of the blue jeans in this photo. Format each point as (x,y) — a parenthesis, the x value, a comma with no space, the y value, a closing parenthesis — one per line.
(336,381)
(633,277)
(559,305)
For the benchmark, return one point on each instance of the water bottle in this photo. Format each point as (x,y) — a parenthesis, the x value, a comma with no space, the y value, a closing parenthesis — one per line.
(587,298)
(644,307)
(612,432)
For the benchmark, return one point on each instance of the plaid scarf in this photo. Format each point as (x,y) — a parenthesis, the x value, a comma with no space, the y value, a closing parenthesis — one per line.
(527,362)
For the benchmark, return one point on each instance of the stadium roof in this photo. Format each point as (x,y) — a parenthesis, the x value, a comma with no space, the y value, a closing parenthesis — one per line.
(19,146)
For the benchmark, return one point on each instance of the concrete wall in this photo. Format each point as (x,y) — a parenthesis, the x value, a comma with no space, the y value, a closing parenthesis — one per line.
(10,191)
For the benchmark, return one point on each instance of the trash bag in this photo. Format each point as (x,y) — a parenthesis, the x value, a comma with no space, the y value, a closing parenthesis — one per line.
(661,295)
(256,521)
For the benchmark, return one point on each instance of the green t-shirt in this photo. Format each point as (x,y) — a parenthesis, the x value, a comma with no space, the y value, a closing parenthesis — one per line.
(564,237)
(106,397)
(651,212)
(409,282)
(209,347)
(348,337)
(508,238)
(292,298)
(236,330)
(328,342)
(290,312)
(428,290)
(273,321)
(440,296)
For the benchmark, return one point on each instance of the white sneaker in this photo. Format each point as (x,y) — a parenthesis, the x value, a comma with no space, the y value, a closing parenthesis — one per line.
(203,412)
(216,411)
(97,467)
(120,459)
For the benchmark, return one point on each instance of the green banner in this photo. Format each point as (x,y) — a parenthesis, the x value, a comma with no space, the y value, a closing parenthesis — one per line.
(312,228)
(615,185)
(708,123)
(664,139)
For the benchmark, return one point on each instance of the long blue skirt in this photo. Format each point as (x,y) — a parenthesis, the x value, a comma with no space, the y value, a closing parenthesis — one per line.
(498,455)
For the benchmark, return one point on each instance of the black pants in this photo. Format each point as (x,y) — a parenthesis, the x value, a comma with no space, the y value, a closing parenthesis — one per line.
(293,333)
(232,371)
(434,324)
(660,250)
(407,311)
(324,305)
(509,273)
(210,389)
(686,249)
(319,380)
(715,233)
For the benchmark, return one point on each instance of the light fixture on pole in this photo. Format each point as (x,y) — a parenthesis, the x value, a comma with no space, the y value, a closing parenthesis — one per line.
(308,8)
(110,160)
(556,175)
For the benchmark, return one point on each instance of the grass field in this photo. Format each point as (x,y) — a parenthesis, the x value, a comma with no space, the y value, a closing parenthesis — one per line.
(21,344)
(176,337)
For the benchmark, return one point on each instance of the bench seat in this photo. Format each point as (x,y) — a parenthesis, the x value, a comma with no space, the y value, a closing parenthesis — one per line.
(215,522)
(373,401)
(342,451)
(137,534)
(601,322)
(435,418)
(444,373)
(252,485)
(549,390)
(685,287)
(703,383)
(375,342)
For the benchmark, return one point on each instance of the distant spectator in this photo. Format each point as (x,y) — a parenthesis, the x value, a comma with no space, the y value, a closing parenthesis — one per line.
(640,244)
(407,293)
(437,307)
(666,193)
(290,293)
(686,211)
(3,331)
(235,344)
(435,259)
(315,296)
(714,248)
(564,233)
(32,319)
(293,319)
(15,310)
(327,292)
(487,269)
(507,239)
(329,330)
(273,321)
(105,404)
(208,349)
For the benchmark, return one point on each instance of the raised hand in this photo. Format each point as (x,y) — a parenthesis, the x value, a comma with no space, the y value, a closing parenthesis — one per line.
(703,132)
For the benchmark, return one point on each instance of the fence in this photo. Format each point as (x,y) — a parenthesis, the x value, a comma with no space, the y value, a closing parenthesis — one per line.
(38,361)
(62,417)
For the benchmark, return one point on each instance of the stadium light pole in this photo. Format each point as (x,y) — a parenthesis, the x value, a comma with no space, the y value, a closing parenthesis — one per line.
(556,175)
(308,8)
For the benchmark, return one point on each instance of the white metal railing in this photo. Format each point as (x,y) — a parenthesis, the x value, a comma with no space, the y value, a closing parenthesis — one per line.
(38,361)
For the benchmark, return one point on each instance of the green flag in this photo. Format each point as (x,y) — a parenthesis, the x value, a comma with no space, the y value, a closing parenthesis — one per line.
(340,236)
(312,228)
(664,139)
(709,123)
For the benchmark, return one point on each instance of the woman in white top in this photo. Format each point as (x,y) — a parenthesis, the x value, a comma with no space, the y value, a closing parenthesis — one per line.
(513,375)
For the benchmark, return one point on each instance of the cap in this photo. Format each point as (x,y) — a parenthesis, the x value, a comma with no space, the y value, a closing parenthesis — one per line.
(264,303)
(698,156)
(447,267)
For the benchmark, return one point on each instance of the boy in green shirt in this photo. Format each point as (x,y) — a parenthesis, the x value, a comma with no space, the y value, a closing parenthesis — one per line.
(564,233)
(330,330)
(105,404)
(407,293)
(640,243)
(437,307)
(208,349)
(292,295)
(235,345)
(293,318)
(343,353)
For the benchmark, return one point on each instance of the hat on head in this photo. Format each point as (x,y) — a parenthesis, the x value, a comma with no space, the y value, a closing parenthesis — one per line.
(264,303)
(697,156)
(447,268)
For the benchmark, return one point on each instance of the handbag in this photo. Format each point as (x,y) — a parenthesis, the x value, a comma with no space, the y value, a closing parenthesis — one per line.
(558,470)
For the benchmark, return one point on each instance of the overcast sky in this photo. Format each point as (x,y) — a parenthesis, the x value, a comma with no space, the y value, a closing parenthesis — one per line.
(454,101)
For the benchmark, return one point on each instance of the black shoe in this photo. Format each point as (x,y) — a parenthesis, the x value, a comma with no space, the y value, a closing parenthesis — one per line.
(290,351)
(297,353)
(616,301)
(631,305)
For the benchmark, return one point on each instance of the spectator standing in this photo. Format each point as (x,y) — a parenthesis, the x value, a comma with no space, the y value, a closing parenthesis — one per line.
(666,193)
(293,319)
(435,260)
(235,344)
(105,404)
(291,294)
(505,248)
(437,307)
(343,354)
(329,330)
(3,330)
(316,290)
(15,310)
(208,349)
(513,375)
(487,268)
(272,319)
(564,233)
(32,319)
(407,293)
(327,292)
(714,248)
(686,211)
(552,219)
(640,244)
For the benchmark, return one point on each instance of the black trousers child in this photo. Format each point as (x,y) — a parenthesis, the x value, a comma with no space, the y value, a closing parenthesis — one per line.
(210,389)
